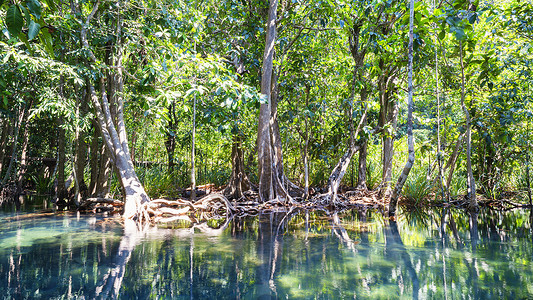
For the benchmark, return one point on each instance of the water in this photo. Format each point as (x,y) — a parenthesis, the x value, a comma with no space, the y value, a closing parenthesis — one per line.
(441,254)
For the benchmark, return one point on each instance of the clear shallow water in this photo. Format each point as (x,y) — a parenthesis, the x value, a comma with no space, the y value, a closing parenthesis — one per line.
(303,255)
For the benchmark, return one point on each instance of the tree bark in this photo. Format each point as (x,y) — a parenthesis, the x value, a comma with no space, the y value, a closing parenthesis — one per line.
(410,106)
(470,181)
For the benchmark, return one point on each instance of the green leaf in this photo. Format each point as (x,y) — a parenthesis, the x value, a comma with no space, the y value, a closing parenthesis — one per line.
(33,30)
(35,8)
(14,20)
(23,38)
(1,2)
(472,18)
(442,35)
(459,33)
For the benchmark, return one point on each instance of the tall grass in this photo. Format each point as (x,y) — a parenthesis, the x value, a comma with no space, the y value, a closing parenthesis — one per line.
(417,187)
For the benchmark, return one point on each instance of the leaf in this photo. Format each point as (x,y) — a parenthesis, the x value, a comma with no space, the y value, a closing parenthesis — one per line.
(23,38)
(35,8)
(459,33)
(14,20)
(33,30)
(1,2)
(472,18)
(442,35)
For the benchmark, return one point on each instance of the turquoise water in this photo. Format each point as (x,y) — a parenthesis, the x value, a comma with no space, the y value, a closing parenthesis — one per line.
(441,254)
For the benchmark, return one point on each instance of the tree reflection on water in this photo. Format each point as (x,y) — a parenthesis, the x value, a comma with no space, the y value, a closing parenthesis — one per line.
(441,254)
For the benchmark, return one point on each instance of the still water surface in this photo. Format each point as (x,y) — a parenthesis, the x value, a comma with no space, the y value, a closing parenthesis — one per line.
(441,254)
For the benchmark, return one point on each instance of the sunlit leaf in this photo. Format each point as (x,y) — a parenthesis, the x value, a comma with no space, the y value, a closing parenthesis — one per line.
(33,30)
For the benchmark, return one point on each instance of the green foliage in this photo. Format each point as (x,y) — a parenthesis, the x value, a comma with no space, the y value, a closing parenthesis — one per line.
(14,20)
(43,185)
(417,187)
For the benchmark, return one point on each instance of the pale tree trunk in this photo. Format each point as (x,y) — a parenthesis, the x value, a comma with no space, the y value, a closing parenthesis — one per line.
(410,106)
(193,146)
(114,136)
(270,180)
(439,153)
(470,181)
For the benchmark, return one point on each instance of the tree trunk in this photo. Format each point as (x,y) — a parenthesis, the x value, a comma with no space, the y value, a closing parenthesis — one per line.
(470,181)
(6,132)
(23,160)
(61,192)
(239,181)
(81,155)
(361,169)
(102,187)
(410,106)
(270,171)
(391,116)
(451,163)
(193,146)
(358,55)
(18,124)
(342,166)
(170,142)
(114,136)
(306,146)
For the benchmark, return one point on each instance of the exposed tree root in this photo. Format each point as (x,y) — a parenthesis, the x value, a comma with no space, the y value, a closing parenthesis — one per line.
(217,206)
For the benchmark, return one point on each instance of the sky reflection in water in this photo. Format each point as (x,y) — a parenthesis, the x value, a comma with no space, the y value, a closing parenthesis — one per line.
(440,254)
